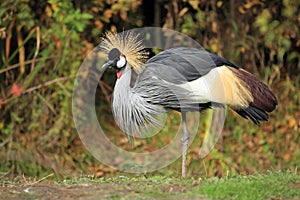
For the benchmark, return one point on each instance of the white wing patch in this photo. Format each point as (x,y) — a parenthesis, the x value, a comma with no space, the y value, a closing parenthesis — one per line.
(220,85)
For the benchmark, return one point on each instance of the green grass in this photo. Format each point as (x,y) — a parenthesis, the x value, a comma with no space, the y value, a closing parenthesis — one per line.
(282,185)
(259,186)
(271,185)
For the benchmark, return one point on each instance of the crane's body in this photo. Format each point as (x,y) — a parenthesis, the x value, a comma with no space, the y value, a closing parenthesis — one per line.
(183,79)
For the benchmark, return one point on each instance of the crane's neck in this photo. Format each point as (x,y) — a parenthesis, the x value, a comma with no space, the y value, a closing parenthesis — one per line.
(132,112)
(123,100)
(123,78)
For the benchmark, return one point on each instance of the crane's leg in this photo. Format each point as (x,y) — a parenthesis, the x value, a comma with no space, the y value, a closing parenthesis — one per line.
(184,142)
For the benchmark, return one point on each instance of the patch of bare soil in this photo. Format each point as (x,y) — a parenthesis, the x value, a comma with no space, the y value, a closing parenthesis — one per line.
(94,191)
(55,191)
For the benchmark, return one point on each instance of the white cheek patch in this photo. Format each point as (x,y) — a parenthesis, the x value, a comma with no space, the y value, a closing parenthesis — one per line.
(122,62)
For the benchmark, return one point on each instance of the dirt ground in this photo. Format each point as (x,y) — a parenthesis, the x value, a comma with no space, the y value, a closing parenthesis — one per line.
(94,191)
(273,185)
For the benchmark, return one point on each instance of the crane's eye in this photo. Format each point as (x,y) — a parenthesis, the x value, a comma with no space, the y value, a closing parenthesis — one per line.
(121,62)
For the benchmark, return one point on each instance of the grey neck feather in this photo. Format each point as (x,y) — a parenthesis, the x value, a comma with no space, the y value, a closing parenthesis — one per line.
(134,115)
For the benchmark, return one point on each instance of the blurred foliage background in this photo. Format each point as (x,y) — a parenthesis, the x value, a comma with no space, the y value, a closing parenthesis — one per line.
(44,42)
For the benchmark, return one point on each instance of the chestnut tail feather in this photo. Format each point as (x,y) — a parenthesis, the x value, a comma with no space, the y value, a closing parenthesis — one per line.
(263,98)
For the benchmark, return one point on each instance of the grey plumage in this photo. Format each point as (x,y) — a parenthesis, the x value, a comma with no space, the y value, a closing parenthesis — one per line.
(182,64)
(139,105)
(135,115)
(183,79)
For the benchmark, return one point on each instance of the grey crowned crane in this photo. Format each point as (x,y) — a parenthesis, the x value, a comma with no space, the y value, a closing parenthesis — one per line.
(181,78)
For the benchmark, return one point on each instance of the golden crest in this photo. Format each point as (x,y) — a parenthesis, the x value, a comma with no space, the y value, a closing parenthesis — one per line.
(128,44)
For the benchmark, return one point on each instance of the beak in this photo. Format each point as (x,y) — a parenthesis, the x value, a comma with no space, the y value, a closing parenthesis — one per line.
(107,64)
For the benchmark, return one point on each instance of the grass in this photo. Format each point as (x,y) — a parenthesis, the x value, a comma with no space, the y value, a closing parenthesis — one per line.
(272,185)
(260,186)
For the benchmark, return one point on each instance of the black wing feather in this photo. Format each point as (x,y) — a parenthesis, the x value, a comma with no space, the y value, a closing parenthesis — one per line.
(253,113)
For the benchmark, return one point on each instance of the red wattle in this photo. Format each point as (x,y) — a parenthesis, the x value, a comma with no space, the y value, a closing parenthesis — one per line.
(119,74)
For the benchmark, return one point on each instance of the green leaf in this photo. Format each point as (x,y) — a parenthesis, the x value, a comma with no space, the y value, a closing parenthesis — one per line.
(86,16)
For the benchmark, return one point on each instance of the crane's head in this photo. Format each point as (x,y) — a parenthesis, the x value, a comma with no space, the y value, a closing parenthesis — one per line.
(116,60)
(122,49)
